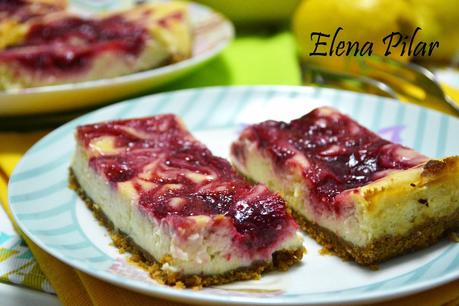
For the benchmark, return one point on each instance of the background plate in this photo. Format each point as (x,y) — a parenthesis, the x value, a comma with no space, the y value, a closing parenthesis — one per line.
(212,32)
(53,217)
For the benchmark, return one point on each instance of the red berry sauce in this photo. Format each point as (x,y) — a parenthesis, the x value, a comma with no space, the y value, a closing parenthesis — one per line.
(341,154)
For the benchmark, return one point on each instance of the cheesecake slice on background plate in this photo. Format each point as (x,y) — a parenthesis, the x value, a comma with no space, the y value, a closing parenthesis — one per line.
(61,59)
(63,47)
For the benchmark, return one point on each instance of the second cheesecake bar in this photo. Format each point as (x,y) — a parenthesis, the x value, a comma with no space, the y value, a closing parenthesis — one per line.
(358,194)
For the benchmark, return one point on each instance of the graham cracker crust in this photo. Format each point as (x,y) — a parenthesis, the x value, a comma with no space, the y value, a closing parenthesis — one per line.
(281,260)
(382,249)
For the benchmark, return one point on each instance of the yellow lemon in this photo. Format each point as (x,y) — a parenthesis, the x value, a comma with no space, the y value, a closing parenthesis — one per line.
(361,20)
(439,20)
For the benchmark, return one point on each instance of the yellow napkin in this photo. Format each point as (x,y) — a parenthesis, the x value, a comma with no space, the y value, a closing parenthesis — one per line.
(77,288)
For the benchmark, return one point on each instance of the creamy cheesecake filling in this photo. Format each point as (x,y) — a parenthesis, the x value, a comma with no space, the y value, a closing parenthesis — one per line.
(167,193)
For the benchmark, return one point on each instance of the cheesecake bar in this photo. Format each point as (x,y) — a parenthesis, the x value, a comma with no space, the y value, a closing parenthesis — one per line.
(62,47)
(359,195)
(192,218)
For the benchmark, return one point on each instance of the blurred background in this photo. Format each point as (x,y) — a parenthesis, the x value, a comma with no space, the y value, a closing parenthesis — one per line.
(418,79)
(273,41)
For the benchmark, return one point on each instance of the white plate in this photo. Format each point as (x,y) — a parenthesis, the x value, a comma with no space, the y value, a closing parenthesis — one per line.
(212,33)
(53,216)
